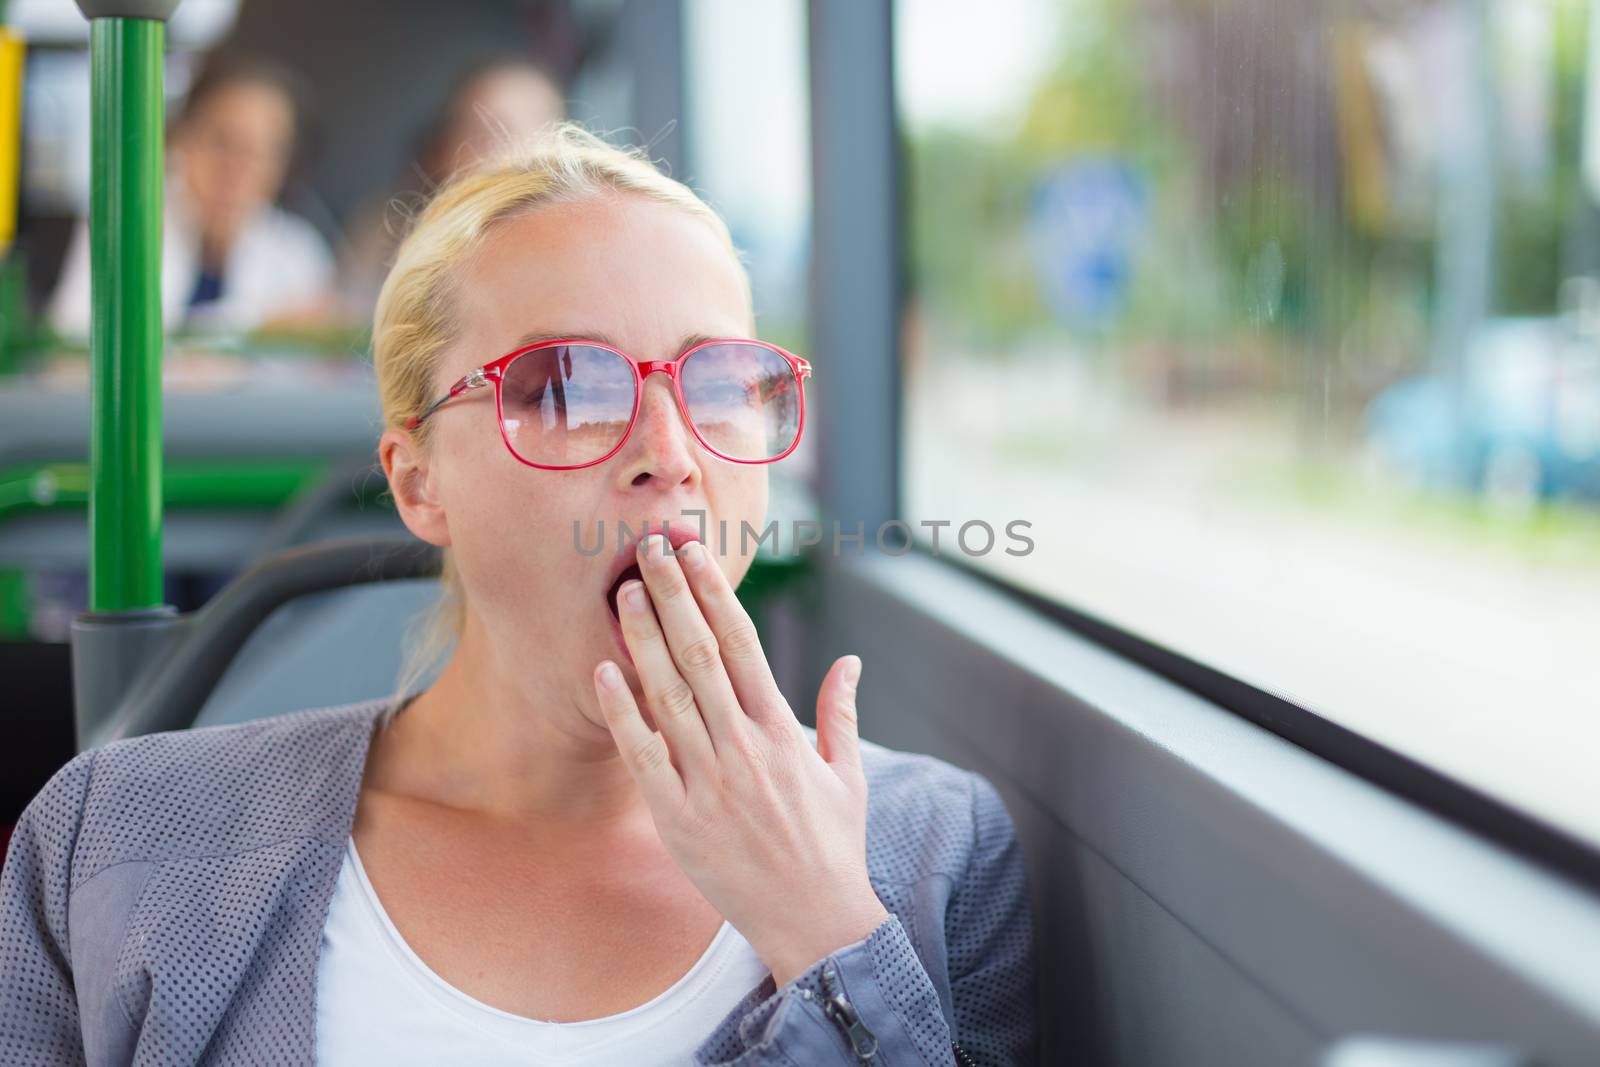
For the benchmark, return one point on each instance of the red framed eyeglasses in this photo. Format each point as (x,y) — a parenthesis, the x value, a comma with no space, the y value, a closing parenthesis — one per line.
(571,403)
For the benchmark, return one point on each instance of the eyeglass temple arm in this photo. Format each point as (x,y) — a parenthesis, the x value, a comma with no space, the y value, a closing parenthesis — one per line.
(472,381)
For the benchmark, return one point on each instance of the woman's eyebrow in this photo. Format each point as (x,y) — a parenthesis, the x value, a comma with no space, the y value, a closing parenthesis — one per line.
(593,335)
(566,335)
(692,340)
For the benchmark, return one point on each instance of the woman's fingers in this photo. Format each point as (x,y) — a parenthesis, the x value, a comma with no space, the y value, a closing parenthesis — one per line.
(838,738)
(746,664)
(672,701)
(695,649)
(643,751)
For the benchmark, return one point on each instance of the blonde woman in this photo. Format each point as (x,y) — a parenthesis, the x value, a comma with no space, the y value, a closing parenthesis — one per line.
(601,836)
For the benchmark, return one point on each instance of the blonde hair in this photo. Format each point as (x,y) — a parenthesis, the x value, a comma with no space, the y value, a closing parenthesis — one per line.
(415,321)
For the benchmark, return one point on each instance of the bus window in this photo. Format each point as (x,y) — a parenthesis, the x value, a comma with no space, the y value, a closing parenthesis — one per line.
(1279,326)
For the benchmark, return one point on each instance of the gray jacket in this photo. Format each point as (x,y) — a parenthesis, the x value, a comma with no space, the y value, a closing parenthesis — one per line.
(164,897)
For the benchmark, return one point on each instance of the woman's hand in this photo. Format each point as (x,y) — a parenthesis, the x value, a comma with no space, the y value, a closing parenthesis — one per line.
(771,831)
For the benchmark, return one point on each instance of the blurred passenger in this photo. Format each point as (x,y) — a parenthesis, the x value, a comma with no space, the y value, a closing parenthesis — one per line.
(492,104)
(232,261)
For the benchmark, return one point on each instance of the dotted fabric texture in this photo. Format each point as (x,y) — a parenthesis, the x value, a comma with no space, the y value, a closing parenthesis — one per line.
(163,900)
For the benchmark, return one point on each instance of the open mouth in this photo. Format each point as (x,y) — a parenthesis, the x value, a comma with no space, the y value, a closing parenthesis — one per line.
(677,534)
(628,572)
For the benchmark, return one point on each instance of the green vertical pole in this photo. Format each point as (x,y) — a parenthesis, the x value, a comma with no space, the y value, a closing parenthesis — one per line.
(125,222)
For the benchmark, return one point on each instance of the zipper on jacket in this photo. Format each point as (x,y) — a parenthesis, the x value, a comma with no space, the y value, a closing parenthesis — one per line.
(963,1057)
(837,1007)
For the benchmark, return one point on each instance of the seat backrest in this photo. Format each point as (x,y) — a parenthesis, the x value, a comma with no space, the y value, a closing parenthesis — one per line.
(141,672)
(329,648)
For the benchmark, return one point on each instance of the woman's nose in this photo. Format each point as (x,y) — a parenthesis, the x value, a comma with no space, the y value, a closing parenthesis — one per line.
(663,444)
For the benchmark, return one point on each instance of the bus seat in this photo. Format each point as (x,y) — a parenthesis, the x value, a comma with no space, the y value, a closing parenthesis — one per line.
(335,647)
(144,672)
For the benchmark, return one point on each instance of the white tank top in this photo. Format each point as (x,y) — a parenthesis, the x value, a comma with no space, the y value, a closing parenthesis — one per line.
(377,1002)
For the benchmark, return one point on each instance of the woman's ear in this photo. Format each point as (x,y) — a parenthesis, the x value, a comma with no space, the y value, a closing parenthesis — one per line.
(410,483)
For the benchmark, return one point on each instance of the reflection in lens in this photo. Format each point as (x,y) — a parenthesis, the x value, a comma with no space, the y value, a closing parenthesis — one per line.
(744,400)
(566,405)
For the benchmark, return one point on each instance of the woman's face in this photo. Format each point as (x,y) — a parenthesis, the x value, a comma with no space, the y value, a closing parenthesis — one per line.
(235,151)
(645,277)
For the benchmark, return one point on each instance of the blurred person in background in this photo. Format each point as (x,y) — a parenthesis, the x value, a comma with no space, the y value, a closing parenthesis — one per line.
(232,260)
(493,103)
